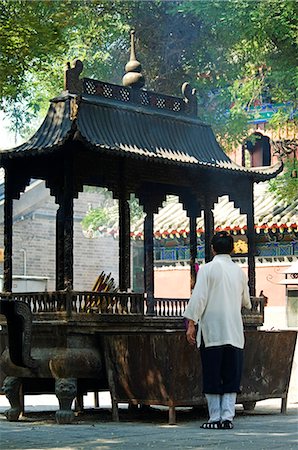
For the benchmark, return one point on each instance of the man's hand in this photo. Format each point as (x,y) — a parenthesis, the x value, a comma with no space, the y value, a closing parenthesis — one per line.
(191,332)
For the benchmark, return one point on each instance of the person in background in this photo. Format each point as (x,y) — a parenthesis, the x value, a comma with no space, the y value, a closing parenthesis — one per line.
(197,267)
(215,306)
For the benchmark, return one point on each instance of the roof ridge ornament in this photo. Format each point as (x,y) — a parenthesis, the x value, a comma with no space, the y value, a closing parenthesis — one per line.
(133,76)
(190,98)
(72,82)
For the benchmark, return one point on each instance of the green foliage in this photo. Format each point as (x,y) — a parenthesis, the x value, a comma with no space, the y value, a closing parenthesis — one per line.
(99,217)
(252,57)
(136,210)
(284,116)
(285,186)
(235,52)
(106,215)
(37,38)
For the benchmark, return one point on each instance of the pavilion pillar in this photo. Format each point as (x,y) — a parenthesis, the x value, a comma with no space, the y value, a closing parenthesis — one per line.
(193,246)
(149,260)
(151,199)
(64,194)
(243,198)
(8,224)
(251,240)
(209,227)
(124,243)
(60,248)
(67,206)
(193,208)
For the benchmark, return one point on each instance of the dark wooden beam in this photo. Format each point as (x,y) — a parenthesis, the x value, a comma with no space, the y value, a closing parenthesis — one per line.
(192,205)
(193,244)
(149,260)
(124,243)
(8,224)
(67,206)
(151,198)
(209,227)
(251,241)
(60,248)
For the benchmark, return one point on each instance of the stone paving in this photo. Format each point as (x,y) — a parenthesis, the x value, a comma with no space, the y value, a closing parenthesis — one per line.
(264,428)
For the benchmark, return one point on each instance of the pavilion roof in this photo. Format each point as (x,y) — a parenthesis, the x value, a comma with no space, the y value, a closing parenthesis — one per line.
(103,123)
(132,122)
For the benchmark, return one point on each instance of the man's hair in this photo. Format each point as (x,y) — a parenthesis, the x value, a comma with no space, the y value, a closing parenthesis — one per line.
(222,243)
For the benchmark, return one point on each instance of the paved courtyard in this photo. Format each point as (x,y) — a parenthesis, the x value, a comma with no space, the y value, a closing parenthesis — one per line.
(264,428)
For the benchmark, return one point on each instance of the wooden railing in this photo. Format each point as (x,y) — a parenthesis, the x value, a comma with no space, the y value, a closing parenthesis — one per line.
(116,304)
(80,302)
(170,307)
(108,303)
(136,96)
(40,301)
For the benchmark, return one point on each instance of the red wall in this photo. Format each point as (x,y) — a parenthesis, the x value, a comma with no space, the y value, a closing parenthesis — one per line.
(175,283)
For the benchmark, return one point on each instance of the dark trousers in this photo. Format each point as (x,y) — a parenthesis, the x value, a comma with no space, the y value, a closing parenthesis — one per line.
(222,369)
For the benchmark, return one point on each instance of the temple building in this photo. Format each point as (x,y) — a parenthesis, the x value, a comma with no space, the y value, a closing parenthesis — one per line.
(74,336)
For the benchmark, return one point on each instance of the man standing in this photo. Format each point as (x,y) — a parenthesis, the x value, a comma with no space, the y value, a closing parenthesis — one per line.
(215,306)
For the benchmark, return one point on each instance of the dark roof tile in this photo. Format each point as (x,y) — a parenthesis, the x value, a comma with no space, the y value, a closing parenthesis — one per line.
(135,131)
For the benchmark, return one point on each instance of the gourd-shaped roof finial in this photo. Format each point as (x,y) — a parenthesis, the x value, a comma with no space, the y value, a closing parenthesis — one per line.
(133,76)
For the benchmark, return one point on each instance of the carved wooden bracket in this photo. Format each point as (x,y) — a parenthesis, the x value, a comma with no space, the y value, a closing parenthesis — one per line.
(191,204)
(15,185)
(151,199)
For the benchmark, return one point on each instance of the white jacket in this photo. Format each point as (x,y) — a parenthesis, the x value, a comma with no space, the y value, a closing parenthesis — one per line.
(215,304)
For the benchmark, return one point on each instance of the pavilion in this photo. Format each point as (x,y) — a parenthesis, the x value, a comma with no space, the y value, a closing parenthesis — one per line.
(129,140)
